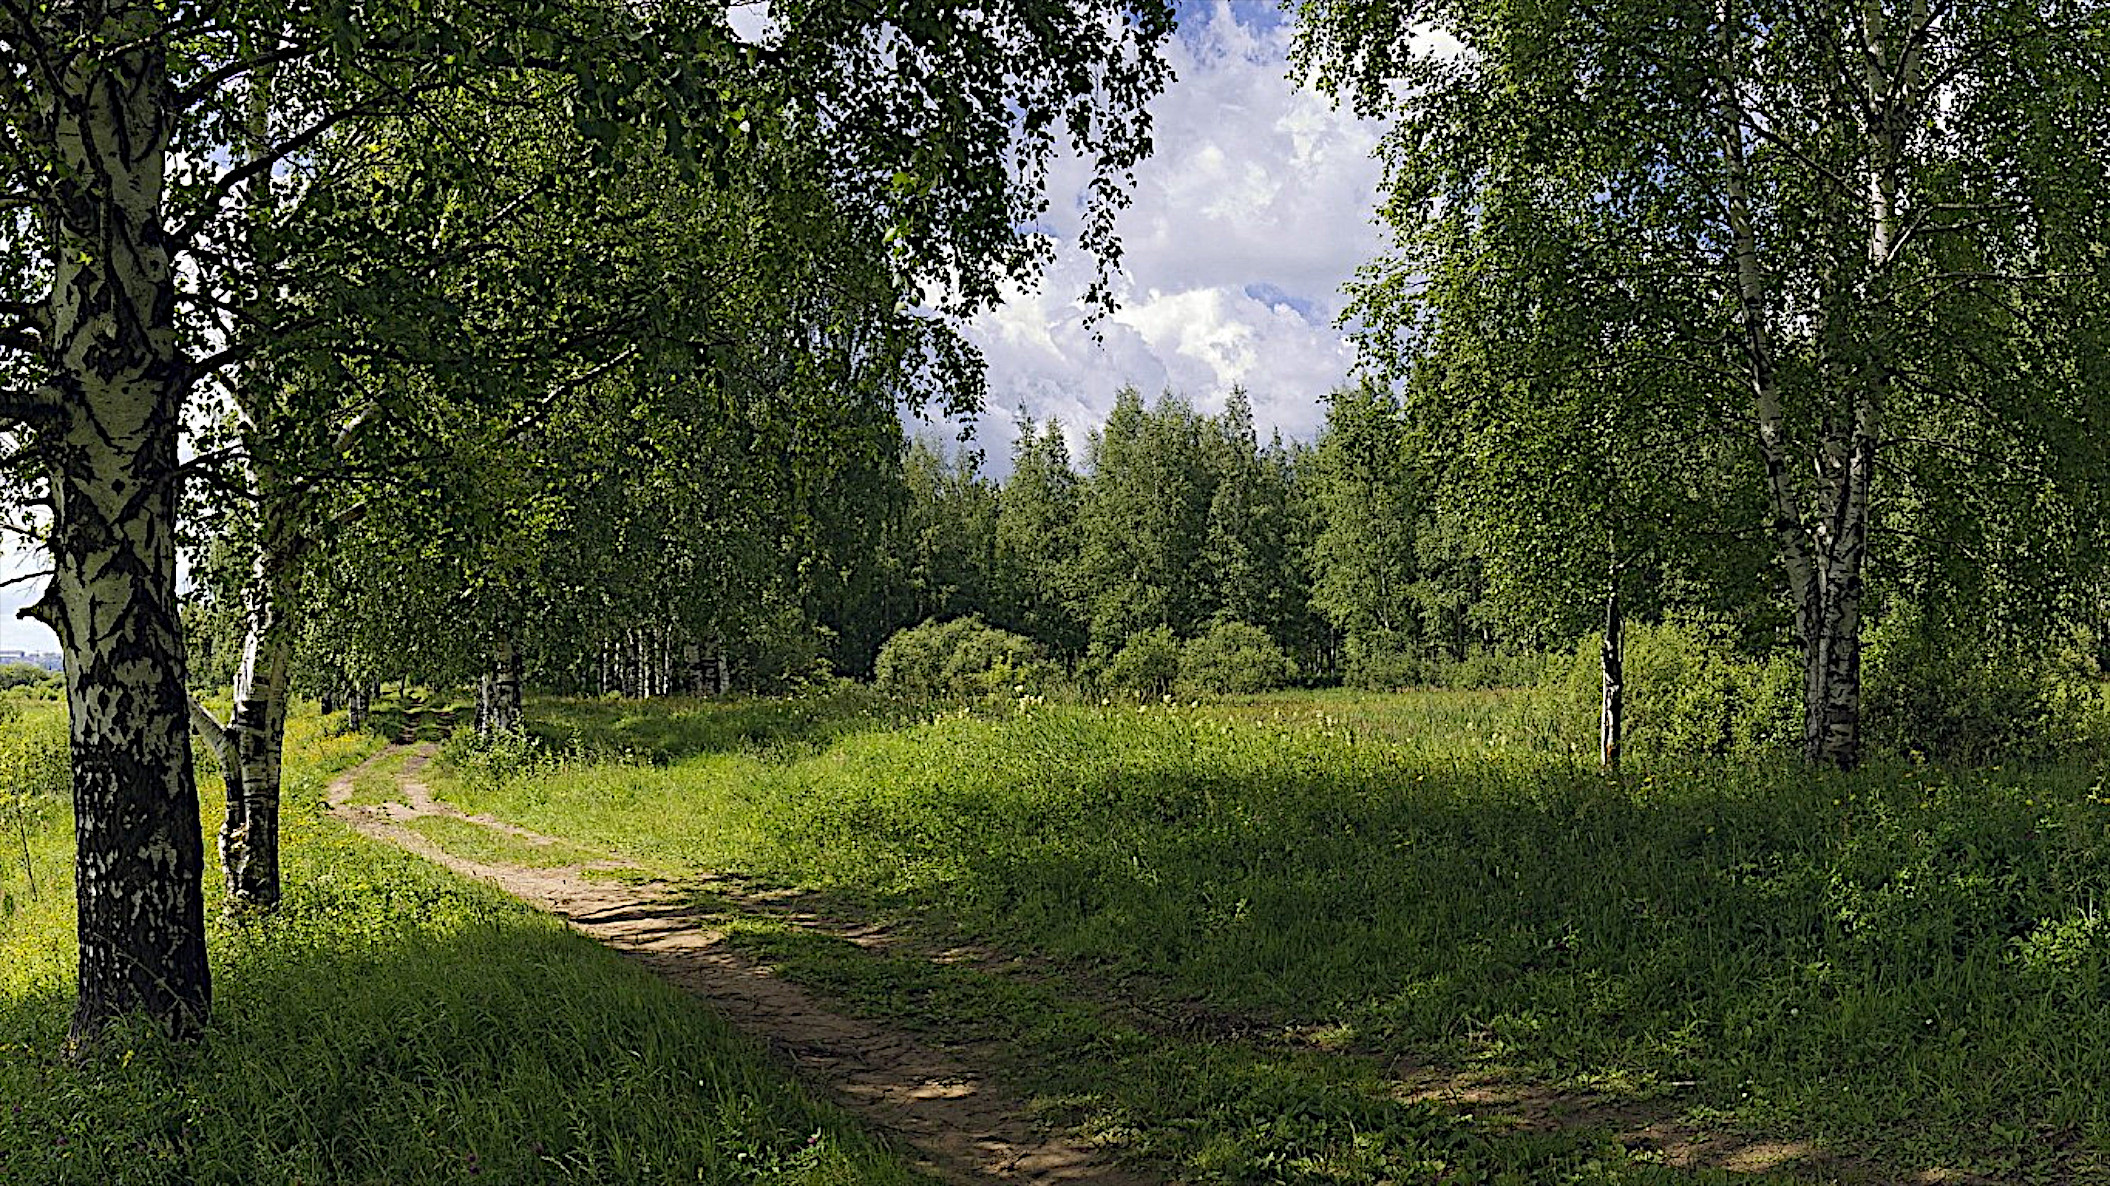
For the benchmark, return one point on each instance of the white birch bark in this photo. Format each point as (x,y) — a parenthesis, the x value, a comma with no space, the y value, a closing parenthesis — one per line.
(1825,553)
(498,708)
(1611,719)
(116,387)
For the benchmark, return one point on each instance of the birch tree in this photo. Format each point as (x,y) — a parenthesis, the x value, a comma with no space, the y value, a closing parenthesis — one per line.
(123,144)
(1842,206)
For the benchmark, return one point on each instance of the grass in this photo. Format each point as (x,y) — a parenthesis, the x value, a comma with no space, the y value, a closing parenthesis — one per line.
(1217,1110)
(376,783)
(393,1023)
(1907,962)
(478,843)
(679,727)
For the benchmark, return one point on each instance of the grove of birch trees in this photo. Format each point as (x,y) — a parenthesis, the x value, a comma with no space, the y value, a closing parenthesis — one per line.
(569,345)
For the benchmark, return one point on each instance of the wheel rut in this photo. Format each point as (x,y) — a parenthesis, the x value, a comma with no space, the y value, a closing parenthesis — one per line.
(962,1126)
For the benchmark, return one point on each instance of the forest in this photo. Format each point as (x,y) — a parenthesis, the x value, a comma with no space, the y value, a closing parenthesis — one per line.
(556,689)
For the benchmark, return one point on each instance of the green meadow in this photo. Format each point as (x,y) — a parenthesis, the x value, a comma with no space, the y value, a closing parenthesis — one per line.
(391,1023)
(1228,940)
(1906,963)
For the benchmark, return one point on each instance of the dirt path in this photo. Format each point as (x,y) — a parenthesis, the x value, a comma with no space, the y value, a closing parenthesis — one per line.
(963,1127)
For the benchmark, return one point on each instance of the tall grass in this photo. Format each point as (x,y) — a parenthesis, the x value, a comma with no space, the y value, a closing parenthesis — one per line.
(1910,959)
(393,1023)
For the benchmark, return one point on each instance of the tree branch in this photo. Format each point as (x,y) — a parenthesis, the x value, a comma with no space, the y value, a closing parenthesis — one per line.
(214,733)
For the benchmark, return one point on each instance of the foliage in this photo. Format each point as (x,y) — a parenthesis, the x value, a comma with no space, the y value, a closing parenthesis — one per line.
(962,657)
(1382,661)
(35,775)
(1672,274)
(1368,489)
(1941,692)
(1148,664)
(1036,541)
(1692,694)
(488,760)
(26,675)
(1233,656)
(616,732)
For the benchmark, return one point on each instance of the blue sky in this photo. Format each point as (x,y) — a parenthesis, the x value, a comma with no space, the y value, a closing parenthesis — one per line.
(1253,210)
(18,635)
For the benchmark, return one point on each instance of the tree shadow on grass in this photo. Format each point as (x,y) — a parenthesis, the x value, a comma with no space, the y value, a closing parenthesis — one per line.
(1840,958)
(1214,1109)
(423,716)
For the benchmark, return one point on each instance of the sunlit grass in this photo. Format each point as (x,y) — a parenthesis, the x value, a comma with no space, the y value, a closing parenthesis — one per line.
(394,1023)
(1904,960)
(463,838)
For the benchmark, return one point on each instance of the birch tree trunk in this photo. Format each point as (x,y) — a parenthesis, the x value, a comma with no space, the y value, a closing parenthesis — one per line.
(252,743)
(1611,720)
(1825,557)
(498,700)
(116,390)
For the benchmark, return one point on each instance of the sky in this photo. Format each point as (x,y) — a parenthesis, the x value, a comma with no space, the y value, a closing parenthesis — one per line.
(1254,209)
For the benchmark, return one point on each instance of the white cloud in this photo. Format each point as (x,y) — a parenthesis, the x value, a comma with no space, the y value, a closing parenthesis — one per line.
(1253,210)
(17,634)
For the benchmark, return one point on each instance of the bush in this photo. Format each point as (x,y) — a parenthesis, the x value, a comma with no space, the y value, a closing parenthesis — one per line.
(1689,693)
(23,675)
(487,764)
(1383,661)
(1148,665)
(1235,657)
(962,657)
(1931,690)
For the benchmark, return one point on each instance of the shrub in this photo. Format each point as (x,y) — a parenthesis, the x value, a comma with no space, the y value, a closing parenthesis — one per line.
(962,657)
(1382,661)
(21,675)
(1936,691)
(1235,657)
(487,764)
(1149,664)
(1689,693)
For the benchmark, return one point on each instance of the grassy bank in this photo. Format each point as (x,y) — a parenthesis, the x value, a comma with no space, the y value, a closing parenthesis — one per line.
(393,1023)
(1906,961)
